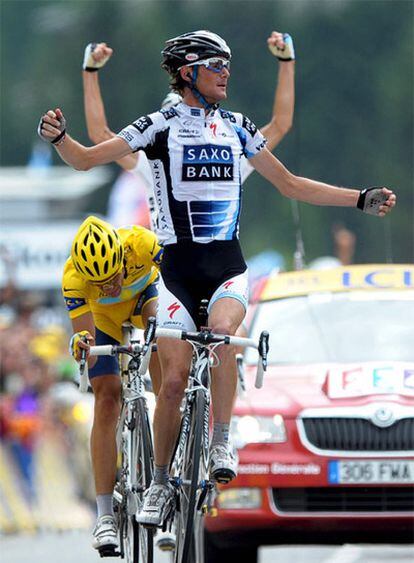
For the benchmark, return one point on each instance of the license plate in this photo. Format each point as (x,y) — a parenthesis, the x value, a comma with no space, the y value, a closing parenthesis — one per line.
(371,471)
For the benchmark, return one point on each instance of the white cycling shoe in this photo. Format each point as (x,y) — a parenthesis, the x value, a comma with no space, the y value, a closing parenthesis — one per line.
(158,501)
(105,533)
(223,463)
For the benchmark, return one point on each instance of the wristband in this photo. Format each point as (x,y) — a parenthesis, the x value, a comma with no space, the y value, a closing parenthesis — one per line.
(59,139)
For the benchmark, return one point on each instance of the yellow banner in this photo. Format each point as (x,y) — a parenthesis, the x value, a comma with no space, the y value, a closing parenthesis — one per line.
(346,278)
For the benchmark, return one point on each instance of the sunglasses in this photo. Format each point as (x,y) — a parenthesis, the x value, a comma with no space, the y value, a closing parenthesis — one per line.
(214,64)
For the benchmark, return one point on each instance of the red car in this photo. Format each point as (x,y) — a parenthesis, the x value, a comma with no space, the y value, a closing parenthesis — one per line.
(326,447)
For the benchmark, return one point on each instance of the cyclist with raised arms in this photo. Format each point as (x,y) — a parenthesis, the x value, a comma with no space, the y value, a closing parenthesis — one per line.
(194,150)
(98,54)
(109,278)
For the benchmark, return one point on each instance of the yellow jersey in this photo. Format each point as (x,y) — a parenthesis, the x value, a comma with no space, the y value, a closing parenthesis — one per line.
(142,258)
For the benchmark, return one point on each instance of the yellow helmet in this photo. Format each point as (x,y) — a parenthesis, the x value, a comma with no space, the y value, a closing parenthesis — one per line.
(97,252)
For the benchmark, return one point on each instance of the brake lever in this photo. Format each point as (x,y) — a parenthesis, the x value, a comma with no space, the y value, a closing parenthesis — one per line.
(83,366)
(264,348)
(149,336)
(82,363)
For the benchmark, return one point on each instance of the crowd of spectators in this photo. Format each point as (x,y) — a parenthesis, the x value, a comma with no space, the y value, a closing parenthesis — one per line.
(33,359)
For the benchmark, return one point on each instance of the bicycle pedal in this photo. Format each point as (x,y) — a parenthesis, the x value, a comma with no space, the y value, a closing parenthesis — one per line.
(109,551)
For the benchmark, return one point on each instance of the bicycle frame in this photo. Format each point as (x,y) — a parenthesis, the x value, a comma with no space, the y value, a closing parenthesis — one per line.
(191,456)
(134,446)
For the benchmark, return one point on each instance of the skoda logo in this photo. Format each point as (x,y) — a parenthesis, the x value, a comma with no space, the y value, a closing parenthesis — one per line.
(383,417)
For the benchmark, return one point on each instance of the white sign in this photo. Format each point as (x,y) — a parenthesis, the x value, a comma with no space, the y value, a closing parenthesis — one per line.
(38,252)
(371,471)
(380,378)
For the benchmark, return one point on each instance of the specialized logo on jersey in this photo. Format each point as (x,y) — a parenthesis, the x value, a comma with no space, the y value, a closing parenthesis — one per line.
(202,163)
(173,308)
(142,123)
(213,127)
(74,302)
(228,284)
(249,126)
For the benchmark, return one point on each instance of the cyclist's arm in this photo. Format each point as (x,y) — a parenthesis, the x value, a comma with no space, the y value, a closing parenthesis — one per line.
(307,190)
(77,155)
(82,323)
(96,122)
(284,100)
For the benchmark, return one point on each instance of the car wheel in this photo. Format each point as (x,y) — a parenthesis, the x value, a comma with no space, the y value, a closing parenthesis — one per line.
(214,552)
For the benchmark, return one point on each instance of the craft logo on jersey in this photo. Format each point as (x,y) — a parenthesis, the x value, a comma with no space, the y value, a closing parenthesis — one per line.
(202,163)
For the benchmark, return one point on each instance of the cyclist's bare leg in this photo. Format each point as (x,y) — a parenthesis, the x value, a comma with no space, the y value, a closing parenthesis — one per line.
(175,358)
(150,310)
(225,317)
(107,391)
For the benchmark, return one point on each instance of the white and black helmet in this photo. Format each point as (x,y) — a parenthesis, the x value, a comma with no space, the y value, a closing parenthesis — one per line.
(191,47)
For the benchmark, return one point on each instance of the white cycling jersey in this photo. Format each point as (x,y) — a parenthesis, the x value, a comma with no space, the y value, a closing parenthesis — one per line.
(196,168)
(143,174)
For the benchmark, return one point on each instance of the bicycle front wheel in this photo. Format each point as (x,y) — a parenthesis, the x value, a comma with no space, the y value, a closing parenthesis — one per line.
(139,541)
(145,470)
(191,469)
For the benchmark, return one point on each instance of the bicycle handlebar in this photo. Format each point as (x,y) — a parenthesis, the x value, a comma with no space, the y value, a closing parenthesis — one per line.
(205,337)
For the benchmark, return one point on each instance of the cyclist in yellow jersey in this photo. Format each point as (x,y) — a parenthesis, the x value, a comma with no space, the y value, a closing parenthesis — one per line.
(109,278)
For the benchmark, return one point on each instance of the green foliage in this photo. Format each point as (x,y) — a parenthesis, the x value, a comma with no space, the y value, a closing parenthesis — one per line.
(354,109)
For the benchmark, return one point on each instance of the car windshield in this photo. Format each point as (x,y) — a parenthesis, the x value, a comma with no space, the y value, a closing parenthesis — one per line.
(338,327)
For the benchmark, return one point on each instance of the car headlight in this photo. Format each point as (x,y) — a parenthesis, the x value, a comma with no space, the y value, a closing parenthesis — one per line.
(239,498)
(250,429)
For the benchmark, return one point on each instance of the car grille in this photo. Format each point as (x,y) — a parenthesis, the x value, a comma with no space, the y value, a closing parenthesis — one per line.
(358,434)
(344,499)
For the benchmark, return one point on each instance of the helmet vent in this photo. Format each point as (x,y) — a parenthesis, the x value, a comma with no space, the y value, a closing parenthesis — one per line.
(97,250)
